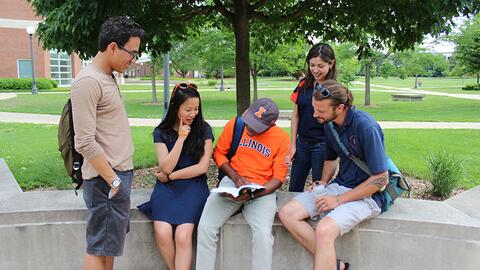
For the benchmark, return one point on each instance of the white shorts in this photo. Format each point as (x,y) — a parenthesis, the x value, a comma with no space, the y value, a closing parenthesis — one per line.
(347,215)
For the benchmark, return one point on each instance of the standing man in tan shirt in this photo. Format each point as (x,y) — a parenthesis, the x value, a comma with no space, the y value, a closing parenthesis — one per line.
(103,138)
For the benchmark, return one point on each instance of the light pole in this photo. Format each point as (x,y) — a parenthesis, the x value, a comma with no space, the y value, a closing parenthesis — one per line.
(31,31)
(166,83)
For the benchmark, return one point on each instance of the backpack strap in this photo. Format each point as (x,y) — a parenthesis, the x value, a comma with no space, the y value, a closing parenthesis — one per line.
(360,163)
(77,158)
(237,135)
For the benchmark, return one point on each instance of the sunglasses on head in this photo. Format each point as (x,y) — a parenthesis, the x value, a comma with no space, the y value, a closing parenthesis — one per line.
(183,86)
(323,91)
(326,93)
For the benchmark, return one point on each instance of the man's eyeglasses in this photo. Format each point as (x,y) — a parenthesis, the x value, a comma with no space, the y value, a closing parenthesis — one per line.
(133,54)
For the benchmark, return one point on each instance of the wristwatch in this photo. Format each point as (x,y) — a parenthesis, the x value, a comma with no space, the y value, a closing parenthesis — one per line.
(115,182)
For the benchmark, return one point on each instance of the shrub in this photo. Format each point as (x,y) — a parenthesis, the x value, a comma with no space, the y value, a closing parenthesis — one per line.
(26,84)
(212,82)
(471,87)
(446,169)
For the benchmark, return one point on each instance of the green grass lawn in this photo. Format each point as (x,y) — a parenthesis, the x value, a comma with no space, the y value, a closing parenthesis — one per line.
(432,108)
(31,152)
(447,85)
(221,105)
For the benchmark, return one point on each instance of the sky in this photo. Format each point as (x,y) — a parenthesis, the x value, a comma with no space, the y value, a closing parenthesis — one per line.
(439,45)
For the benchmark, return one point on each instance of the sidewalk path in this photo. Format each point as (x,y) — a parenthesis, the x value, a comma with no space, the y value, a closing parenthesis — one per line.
(433,93)
(7,95)
(9,117)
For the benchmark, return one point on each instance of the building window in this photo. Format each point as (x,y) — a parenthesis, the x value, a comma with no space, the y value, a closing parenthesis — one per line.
(61,68)
(24,67)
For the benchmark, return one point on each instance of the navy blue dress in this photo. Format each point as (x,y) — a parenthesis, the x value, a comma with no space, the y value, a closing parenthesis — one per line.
(177,201)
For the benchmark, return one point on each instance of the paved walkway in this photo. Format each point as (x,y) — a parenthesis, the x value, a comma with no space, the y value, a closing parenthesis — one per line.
(7,95)
(149,122)
(433,93)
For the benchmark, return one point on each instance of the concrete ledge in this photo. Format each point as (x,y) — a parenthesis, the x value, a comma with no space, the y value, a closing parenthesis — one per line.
(285,114)
(8,184)
(467,202)
(407,97)
(48,228)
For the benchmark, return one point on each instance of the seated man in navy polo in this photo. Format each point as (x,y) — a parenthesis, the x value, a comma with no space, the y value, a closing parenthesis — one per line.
(352,196)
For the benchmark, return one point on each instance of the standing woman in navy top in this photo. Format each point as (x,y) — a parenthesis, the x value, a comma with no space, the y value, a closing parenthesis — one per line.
(308,141)
(183,142)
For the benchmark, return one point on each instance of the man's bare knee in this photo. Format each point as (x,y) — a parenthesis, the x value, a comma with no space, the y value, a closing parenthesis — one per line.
(327,230)
(292,211)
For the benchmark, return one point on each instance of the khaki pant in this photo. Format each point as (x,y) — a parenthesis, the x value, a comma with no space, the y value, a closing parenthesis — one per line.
(259,214)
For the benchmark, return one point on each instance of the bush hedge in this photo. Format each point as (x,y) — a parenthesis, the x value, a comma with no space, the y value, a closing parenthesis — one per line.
(212,82)
(472,87)
(26,84)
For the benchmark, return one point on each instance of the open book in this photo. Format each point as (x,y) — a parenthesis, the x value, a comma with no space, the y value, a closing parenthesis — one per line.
(238,191)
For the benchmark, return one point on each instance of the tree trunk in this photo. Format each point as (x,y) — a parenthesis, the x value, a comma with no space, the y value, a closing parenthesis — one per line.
(416,82)
(367,84)
(255,85)
(241,30)
(478,78)
(154,84)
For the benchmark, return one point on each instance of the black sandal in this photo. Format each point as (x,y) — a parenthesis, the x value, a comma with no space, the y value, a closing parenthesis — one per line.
(347,265)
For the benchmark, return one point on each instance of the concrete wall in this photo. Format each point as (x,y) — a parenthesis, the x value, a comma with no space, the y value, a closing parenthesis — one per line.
(46,230)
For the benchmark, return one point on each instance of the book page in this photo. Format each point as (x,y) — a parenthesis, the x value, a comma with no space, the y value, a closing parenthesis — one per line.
(230,190)
(236,191)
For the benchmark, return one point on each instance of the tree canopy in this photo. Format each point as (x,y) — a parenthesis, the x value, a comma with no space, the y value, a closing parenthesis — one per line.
(467,51)
(72,25)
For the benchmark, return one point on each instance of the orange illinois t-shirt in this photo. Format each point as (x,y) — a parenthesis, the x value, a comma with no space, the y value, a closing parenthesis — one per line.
(259,158)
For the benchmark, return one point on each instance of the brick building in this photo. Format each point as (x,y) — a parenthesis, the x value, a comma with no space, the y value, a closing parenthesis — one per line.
(15,17)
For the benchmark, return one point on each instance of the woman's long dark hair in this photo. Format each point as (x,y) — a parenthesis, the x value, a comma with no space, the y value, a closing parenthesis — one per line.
(324,51)
(195,142)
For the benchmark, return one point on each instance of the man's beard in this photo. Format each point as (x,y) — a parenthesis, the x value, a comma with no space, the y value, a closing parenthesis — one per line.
(329,119)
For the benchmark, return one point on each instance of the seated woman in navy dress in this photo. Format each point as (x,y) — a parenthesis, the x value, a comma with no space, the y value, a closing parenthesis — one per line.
(183,142)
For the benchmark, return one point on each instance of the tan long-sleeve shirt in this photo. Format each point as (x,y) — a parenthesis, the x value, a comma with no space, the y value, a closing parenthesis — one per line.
(100,121)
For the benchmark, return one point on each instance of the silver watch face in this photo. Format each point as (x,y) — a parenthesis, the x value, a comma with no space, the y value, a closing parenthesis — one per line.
(116,182)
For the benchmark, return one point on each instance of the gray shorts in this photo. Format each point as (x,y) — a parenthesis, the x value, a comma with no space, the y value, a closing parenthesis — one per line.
(108,219)
(347,215)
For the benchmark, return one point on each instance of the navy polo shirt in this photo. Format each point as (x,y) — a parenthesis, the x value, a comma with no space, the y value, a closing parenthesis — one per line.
(308,127)
(363,137)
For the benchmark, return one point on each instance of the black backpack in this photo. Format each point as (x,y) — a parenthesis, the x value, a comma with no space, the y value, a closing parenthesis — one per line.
(66,145)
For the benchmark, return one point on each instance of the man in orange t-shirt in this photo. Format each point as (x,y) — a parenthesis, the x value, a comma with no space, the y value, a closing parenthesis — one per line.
(261,158)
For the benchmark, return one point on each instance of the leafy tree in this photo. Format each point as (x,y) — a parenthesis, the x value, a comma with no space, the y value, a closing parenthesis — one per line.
(347,63)
(263,48)
(387,69)
(419,63)
(371,58)
(184,57)
(216,51)
(413,63)
(260,58)
(467,51)
(289,60)
(72,25)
